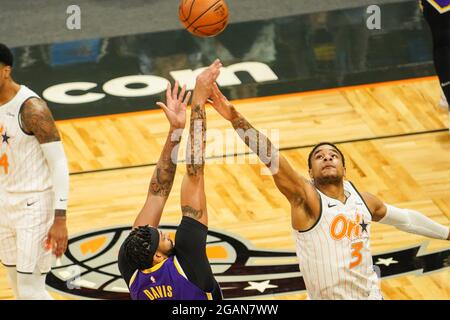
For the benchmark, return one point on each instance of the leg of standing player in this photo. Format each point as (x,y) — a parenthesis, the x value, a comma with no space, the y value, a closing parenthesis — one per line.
(8,250)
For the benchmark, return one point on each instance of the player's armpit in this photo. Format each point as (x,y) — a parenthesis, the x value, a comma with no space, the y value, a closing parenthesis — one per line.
(376,206)
(289,182)
(306,212)
(37,119)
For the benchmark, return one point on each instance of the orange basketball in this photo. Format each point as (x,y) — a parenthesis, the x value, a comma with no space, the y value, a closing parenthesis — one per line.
(204,18)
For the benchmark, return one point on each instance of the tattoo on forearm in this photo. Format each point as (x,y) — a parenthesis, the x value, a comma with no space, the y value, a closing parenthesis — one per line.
(197,141)
(164,174)
(188,211)
(255,140)
(38,120)
(241,123)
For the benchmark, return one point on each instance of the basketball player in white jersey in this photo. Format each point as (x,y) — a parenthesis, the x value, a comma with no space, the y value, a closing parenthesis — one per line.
(331,219)
(34,185)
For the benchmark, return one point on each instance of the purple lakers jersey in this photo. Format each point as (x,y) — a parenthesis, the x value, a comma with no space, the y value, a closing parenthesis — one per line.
(440,5)
(165,281)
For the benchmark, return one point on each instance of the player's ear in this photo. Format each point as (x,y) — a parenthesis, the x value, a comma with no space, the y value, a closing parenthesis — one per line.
(8,71)
(5,72)
(310,173)
(157,258)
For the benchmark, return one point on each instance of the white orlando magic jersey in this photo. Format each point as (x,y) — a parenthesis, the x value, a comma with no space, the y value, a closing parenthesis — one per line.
(23,167)
(334,255)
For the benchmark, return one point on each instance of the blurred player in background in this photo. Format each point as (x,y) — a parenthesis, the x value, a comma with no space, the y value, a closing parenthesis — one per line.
(34,186)
(437,14)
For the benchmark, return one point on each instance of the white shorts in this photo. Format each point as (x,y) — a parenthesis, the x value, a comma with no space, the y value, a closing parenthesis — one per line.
(25,220)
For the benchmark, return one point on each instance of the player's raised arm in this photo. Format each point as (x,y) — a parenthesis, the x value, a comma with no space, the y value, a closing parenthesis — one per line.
(163,176)
(405,219)
(37,119)
(193,199)
(299,192)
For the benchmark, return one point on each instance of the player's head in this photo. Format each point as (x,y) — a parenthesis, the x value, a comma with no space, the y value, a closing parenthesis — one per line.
(146,246)
(6,63)
(326,164)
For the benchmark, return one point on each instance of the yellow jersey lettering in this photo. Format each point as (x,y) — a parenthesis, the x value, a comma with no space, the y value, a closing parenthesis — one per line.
(160,291)
(155,293)
(149,295)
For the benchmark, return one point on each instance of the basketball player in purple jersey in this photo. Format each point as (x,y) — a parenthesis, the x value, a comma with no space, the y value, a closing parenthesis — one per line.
(153,268)
(437,14)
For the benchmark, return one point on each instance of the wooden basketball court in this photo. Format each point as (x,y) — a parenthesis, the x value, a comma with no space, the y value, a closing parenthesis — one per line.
(394,137)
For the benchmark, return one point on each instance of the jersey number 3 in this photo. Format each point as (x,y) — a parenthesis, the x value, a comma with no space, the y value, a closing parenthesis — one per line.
(4,163)
(356,254)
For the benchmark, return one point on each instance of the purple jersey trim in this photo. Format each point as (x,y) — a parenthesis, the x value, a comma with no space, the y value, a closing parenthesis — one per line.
(441,5)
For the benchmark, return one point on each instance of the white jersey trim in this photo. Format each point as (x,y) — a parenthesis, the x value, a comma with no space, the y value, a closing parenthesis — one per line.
(364,201)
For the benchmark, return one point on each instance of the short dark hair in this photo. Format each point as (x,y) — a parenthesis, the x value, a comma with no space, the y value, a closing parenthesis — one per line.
(324,144)
(140,247)
(6,56)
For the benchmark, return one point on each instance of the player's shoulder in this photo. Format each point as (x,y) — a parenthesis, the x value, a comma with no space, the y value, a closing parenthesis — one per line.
(37,119)
(368,196)
(36,104)
(36,108)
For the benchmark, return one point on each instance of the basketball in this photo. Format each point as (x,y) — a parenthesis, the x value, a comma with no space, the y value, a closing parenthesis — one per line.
(204,18)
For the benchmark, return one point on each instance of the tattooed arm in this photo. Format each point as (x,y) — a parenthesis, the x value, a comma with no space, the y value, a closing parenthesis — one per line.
(160,183)
(36,119)
(193,198)
(304,199)
(164,174)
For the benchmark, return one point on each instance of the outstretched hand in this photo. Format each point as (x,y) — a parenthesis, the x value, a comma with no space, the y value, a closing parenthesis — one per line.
(175,107)
(221,104)
(205,81)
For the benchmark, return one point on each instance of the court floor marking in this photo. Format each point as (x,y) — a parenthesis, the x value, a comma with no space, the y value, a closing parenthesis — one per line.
(281,149)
